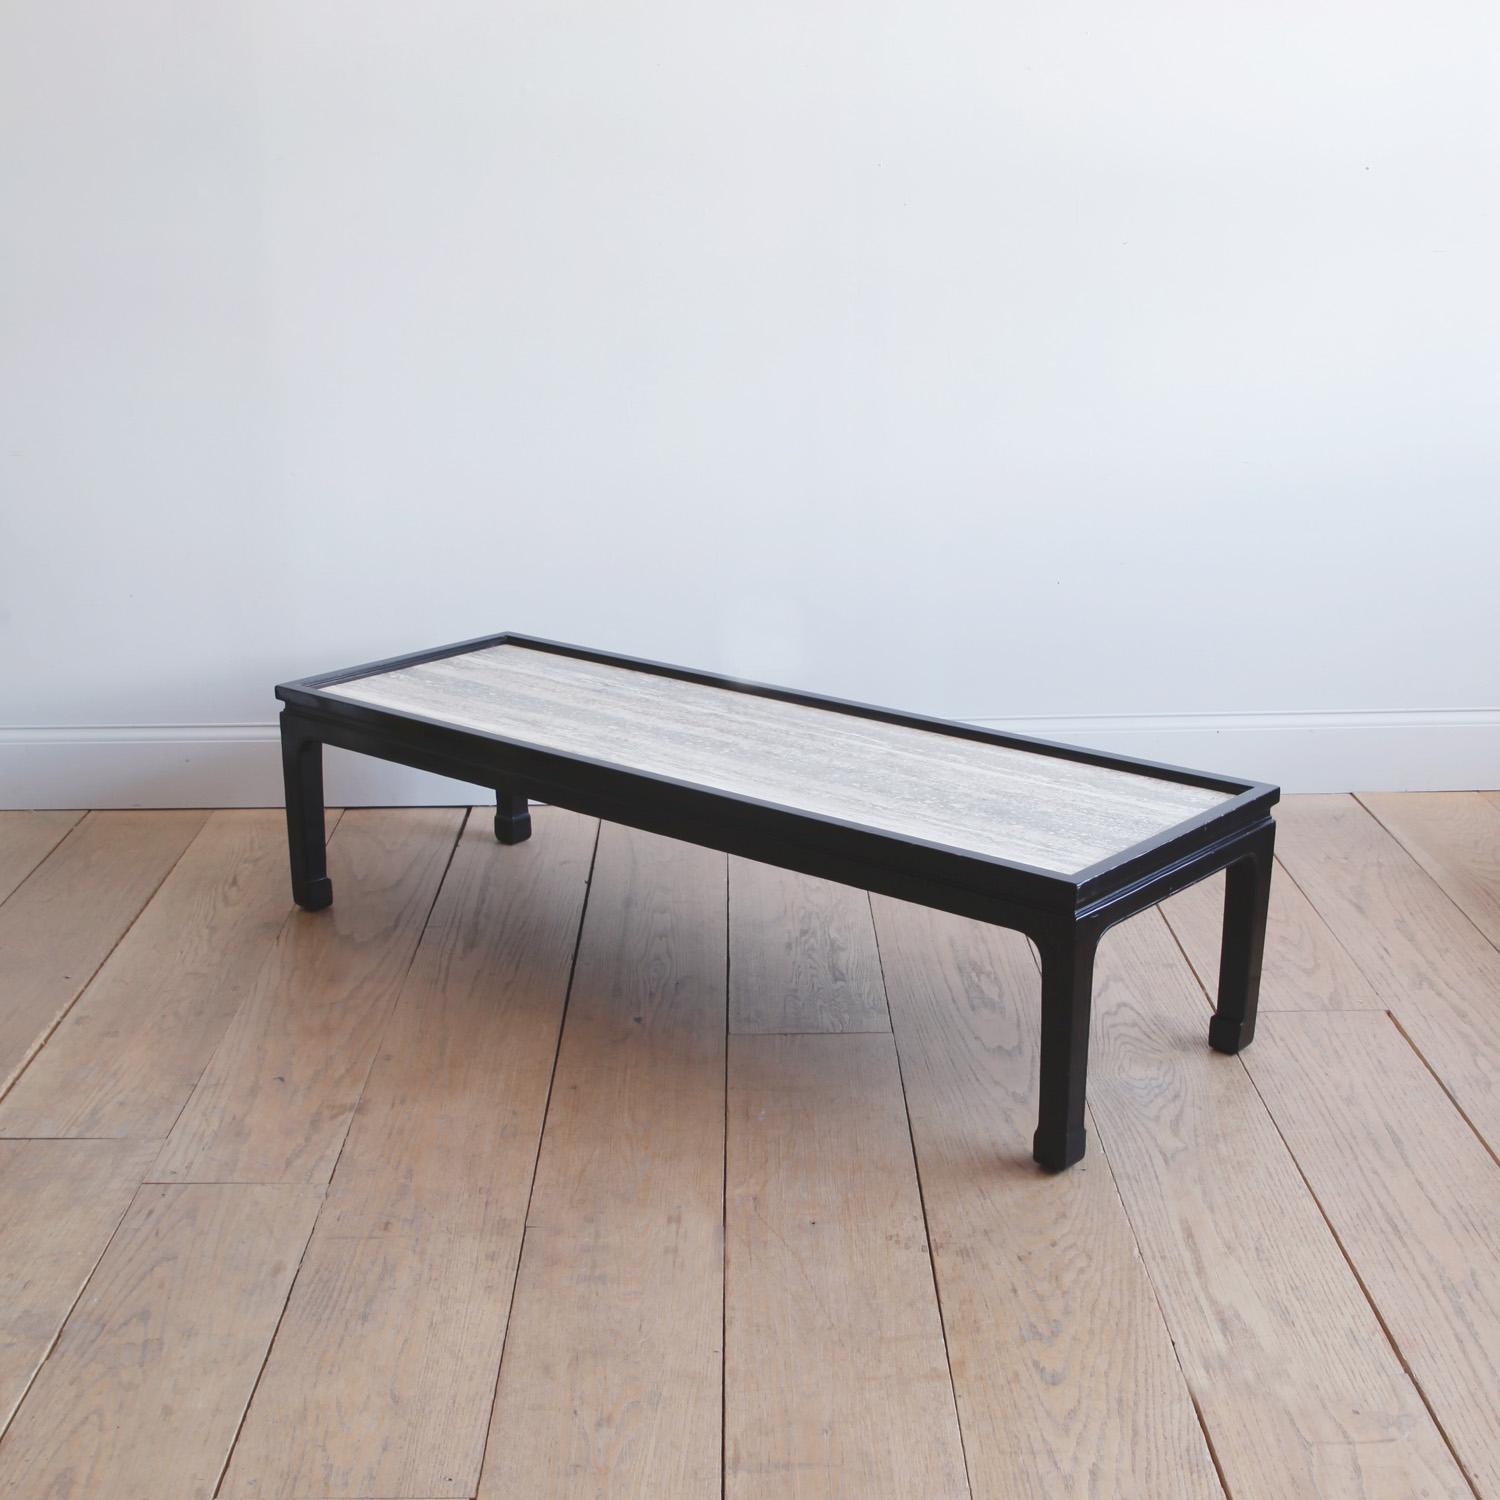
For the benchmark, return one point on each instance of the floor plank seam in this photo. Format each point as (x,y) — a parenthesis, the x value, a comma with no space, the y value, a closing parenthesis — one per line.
(937,1291)
(1187,1384)
(343,1141)
(1208,1437)
(46,855)
(83,1286)
(1166,912)
(1161,1310)
(1327,1428)
(1284,869)
(62,1015)
(239,1426)
(562,1021)
(1323,1010)
(1198,978)
(819,1031)
(270,953)
(1365,1292)
(1447,1092)
(144,1140)
(234,1182)
(400,988)
(1348,1259)
(1411,855)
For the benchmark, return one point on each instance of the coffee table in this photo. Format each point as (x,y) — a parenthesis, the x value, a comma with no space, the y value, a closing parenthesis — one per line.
(1057,842)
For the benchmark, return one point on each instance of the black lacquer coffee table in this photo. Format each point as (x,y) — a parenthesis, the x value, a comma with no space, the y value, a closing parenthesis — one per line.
(1057,842)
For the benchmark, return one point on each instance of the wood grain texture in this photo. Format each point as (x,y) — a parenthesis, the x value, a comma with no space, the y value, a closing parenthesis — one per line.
(611,1383)
(802,954)
(274,1103)
(836,1378)
(1066,1380)
(128,1053)
(59,1203)
(382,1375)
(988,799)
(1297,1385)
(1414,1198)
(1306,967)
(26,839)
(147,1384)
(60,925)
(1455,837)
(1428,962)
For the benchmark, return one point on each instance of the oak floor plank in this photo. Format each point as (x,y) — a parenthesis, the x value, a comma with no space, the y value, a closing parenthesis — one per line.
(1066,1381)
(59,1203)
(611,1381)
(26,839)
(1455,837)
(129,1052)
(274,1102)
(382,1375)
(1414,1198)
(141,1397)
(1061,1360)
(60,925)
(1297,1385)
(1431,966)
(836,1376)
(1305,967)
(802,954)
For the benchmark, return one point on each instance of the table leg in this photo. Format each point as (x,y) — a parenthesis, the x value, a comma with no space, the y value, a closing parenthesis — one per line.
(1247,895)
(302,773)
(512,818)
(1067,994)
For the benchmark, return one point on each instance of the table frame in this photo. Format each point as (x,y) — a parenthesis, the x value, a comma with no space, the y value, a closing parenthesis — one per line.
(1064,915)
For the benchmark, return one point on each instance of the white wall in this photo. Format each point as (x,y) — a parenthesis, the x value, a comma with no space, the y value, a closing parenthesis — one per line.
(1127,372)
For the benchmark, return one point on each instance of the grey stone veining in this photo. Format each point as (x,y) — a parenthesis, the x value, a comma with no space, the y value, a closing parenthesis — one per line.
(995,800)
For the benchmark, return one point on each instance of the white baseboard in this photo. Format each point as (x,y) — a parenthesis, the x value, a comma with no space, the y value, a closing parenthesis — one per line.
(194,765)
(1405,750)
(237,765)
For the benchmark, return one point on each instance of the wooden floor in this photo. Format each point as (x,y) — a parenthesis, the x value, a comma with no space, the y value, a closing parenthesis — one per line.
(606,1166)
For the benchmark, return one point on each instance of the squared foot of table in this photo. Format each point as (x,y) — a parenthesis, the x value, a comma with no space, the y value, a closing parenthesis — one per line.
(1055,1153)
(512,819)
(315,894)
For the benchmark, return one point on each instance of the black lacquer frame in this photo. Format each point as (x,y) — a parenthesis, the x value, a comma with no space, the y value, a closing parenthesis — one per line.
(1065,915)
